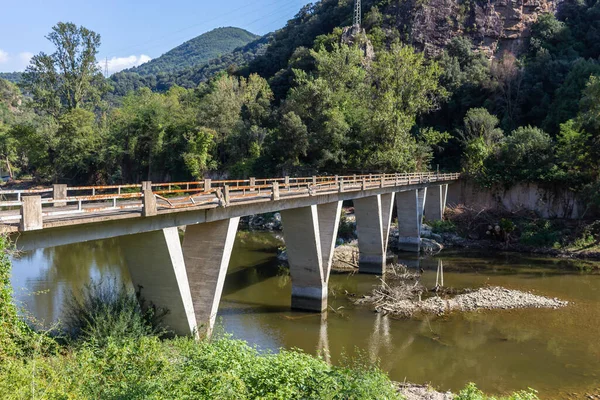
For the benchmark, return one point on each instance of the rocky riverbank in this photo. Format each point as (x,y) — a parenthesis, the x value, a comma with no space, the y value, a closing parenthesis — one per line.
(422,392)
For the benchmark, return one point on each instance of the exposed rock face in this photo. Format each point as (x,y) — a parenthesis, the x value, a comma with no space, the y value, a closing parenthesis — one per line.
(494,26)
(355,34)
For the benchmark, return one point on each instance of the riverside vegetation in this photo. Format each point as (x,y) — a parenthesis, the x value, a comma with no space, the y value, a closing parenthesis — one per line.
(112,350)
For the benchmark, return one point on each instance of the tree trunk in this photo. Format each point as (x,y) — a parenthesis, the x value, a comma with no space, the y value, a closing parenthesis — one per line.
(10,173)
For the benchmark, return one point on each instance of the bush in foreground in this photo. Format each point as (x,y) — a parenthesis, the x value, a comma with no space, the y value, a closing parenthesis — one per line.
(185,369)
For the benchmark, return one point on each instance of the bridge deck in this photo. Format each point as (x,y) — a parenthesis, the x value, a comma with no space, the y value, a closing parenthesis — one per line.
(107,203)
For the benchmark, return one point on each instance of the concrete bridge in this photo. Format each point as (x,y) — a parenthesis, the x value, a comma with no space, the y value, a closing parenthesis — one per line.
(187,278)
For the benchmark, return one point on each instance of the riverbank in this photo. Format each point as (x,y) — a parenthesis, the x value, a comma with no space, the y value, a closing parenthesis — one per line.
(522,232)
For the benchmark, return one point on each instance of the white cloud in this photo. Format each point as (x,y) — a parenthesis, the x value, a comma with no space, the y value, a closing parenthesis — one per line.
(117,64)
(3,57)
(24,58)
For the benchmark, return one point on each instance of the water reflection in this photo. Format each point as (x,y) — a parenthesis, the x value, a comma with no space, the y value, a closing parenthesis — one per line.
(323,344)
(550,350)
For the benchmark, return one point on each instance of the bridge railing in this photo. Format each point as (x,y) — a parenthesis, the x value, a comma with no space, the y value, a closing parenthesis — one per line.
(64,201)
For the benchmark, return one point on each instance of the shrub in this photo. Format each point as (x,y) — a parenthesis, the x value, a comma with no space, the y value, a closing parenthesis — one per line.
(472,393)
(105,310)
(541,233)
(443,226)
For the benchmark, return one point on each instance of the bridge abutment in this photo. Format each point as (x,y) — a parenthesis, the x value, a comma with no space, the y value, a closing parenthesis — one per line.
(310,234)
(410,206)
(373,220)
(156,265)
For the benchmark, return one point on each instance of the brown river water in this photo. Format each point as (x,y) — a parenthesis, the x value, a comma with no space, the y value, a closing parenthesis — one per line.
(556,352)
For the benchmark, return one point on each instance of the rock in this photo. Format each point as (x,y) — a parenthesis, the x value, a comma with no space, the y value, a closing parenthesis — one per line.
(422,392)
(493,26)
(355,34)
(430,246)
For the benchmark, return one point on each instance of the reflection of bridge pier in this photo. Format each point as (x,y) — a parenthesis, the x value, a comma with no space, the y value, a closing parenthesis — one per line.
(323,344)
(188,278)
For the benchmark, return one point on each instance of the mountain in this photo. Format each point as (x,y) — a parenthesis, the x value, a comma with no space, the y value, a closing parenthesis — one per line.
(13,77)
(197,51)
(126,81)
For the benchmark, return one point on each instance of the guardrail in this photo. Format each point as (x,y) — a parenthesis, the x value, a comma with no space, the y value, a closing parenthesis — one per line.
(150,198)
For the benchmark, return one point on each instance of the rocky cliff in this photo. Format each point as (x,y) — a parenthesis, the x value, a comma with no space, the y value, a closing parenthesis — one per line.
(494,26)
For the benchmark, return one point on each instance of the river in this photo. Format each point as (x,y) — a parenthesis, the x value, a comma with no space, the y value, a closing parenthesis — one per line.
(556,352)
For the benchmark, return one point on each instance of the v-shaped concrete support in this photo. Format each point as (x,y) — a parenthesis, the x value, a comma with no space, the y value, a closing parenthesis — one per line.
(207,250)
(156,265)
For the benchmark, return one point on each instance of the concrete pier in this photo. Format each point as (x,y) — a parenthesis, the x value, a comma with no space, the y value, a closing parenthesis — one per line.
(387,208)
(156,265)
(206,252)
(410,207)
(310,234)
(436,202)
(373,220)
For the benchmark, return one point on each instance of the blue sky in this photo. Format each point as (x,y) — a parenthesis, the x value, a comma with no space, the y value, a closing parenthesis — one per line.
(132,31)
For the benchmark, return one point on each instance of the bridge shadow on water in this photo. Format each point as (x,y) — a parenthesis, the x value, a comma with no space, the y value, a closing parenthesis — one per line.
(244,278)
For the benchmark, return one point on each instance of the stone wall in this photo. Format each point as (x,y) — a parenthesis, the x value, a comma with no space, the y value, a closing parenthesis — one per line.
(547,202)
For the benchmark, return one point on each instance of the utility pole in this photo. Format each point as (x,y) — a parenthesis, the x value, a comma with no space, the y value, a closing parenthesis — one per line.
(357,13)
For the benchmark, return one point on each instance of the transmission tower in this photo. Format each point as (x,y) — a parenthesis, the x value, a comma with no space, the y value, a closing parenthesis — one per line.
(357,13)
(106,68)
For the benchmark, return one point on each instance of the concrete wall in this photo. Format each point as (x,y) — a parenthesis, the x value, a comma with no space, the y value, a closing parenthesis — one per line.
(547,202)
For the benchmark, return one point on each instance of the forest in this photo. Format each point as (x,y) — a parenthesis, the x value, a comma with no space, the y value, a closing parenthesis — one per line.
(311,101)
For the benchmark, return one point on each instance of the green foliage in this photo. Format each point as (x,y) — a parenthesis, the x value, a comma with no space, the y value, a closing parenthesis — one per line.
(525,155)
(190,77)
(471,392)
(359,117)
(481,137)
(13,77)
(442,226)
(197,51)
(541,233)
(105,313)
(70,77)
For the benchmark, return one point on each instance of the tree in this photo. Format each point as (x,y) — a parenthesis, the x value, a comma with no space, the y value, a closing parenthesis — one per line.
(526,155)
(69,78)
(480,138)
(507,78)
(405,85)
(78,149)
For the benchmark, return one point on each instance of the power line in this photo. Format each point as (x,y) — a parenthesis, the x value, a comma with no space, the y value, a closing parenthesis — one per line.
(285,8)
(117,52)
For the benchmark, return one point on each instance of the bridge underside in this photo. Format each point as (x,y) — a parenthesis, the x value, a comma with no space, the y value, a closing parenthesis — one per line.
(187,278)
